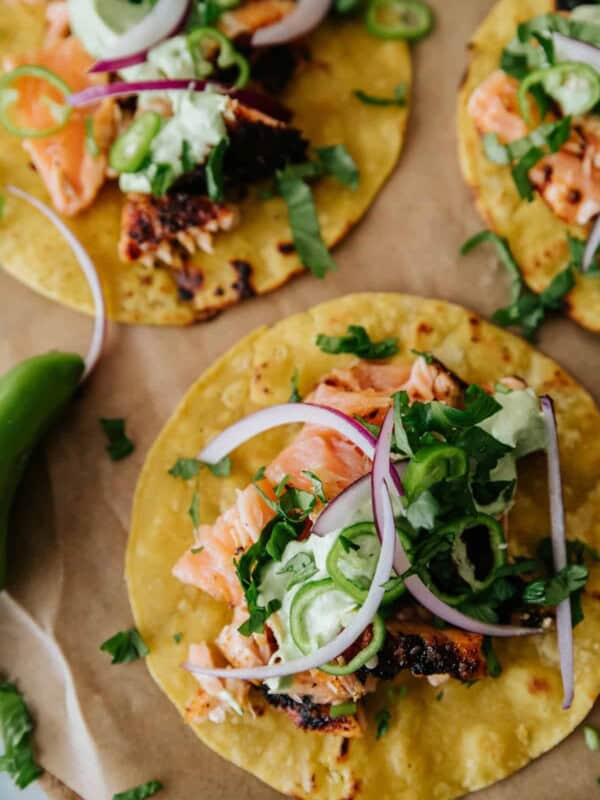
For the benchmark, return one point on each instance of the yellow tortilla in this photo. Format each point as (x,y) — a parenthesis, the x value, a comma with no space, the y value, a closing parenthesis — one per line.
(538,239)
(247,260)
(471,737)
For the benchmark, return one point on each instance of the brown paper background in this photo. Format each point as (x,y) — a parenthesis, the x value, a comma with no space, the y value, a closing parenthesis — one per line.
(103,728)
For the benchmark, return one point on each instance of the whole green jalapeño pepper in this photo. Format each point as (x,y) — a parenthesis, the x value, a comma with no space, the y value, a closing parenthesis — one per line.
(433,464)
(228,56)
(32,395)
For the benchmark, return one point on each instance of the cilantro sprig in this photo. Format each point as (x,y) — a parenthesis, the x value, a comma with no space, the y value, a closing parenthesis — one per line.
(527,310)
(16,729)
(357,341)
(125,646)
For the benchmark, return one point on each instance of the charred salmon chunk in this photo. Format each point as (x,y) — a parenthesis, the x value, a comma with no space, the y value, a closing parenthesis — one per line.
(425,651)
(169,229)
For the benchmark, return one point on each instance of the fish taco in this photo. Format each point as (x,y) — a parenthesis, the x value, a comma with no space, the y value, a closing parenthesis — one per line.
(348,556)
(201,152)
(529,134)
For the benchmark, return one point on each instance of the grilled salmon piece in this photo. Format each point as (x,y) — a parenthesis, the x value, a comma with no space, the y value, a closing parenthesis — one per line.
(250,17)
(568,180)
(73,176)
(216,697)
(428,651)
(169,229)
(315,717)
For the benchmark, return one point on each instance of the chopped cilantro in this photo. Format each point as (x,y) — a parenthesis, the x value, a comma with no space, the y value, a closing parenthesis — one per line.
(295,396)
(398,99)
(188,468)
(304,222)
(16,729)
(194,509)
(142,792)
(161,180)
(119,444)
(196,550)
(125,646)
(552,591)
(527,309)
(429,357)
(358,342)
(177,637)
(493,664)
(439,696)
(382,721)
(317,485)
(338,162)
(2,206)
(260,474)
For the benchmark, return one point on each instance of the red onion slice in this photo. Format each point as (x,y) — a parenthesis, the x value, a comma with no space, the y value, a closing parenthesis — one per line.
(258,100)
(288,414)
(365,615)
(337,513)
(302,20)
(559,551)
(88,269)
(568,49)
(163,21)
(593,243)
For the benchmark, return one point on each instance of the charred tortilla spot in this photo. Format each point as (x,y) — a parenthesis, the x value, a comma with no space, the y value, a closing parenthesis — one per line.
(344,749)
(574,196)
(274,67)
(538,686)
(219,291)
(243,284)
(189,281)
(355,789)
(424,327)
(286,248)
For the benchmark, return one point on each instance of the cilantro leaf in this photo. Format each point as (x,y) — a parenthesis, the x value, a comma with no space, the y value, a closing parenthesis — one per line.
(188,468)
(399,98)
(552,591)
(304,222)
(358,342)
(317,485)
(338,162)
(142,792)
(125,646)
(214,170)
(177,637)
(119,444)
(295,396)
(281,535)
(493,664)
(16,728)
(382,721)
(526,310)
(222,468)
(194,509)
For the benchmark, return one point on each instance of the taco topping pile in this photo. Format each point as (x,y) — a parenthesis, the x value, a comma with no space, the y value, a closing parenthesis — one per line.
(377,542)
(538,114)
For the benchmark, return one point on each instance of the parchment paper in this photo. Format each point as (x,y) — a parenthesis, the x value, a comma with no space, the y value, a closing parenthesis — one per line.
(103,728)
